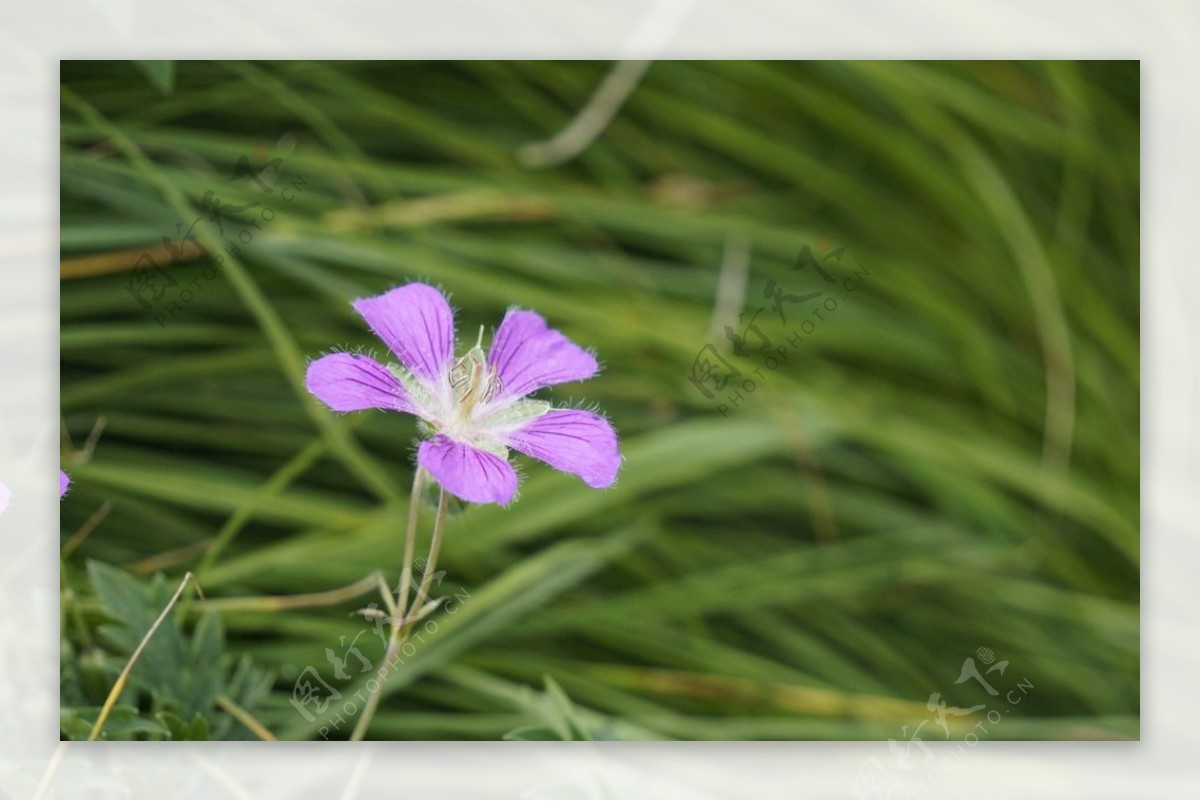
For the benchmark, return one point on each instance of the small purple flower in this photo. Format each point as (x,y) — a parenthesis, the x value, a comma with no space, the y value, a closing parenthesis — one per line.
(64,481)
(476,406)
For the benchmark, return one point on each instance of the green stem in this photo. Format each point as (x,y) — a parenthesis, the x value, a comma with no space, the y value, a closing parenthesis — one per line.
(435,548)
(400,626)
(414,509)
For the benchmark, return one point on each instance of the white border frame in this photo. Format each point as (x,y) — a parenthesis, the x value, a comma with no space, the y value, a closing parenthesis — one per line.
(34,37)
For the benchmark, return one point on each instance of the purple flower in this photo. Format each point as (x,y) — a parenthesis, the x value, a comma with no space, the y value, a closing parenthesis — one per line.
(476,405)
(64,481)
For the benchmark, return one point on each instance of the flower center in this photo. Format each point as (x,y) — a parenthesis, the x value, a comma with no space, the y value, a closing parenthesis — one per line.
(473,381)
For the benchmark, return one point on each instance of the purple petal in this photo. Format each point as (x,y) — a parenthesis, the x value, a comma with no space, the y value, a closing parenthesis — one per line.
(573,441)
(416,322)
(347,383)
(471,474)
(64,481)
(528,355)
(4,497)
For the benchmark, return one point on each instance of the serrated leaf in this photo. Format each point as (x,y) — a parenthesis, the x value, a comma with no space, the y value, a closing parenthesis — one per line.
(248,686)
(134,608)
(124,722)
(203,673)
(73,725)
(208,640)
(194,730)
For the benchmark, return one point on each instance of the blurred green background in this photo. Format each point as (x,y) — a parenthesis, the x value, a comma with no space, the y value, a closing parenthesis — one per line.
(948,462)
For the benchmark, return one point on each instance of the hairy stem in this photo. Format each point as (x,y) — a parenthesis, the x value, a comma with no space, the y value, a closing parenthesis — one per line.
(410,537)
(401,626)
(435,548)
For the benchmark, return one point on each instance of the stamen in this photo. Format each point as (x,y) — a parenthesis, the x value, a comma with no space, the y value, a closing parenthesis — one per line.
(460,378)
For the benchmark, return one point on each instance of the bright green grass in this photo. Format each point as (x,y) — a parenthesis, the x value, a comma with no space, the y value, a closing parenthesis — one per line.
(949,460)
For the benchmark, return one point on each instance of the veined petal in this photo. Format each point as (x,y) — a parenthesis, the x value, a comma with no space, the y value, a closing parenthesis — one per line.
(528,355)
(573,441)
(416,322)
(468,472)
(347,383)
(64,482)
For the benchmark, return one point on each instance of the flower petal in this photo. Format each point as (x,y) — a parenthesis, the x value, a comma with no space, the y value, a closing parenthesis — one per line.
(573,441)
(416,322)
(64,481)
(347,383)
(528,355)
(468,472)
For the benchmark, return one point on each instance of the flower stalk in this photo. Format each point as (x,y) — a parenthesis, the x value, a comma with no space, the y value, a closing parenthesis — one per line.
(402,622)
(410,538)
(473,409)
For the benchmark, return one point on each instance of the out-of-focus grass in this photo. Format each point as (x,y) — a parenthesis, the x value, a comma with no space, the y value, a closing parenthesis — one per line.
(948,461)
